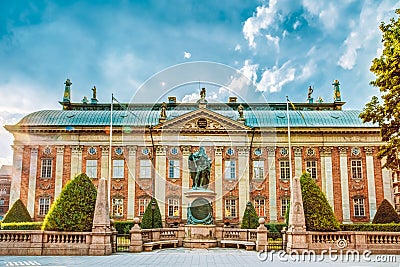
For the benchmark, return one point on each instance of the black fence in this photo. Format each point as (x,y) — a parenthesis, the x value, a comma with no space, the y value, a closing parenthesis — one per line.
(276,244)
(123,242)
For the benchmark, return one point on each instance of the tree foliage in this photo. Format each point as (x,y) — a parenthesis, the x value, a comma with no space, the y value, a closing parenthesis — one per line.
(73,210)
(387,114)
(317,211)
(250,217)
(150,214)
(386,213)
(17,213)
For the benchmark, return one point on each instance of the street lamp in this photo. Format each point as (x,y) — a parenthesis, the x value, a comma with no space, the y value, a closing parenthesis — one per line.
(153,207)
(248,206)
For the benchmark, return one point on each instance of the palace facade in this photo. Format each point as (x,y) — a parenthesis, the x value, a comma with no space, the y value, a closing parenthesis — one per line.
(247,144)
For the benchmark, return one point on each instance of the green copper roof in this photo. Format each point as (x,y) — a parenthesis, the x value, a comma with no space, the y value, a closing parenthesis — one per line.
(145,117)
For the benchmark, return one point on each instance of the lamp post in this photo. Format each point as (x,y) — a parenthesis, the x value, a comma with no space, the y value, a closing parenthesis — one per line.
(153,207)
(248,206)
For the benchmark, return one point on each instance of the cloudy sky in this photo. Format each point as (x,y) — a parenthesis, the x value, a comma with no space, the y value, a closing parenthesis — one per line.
(282,46)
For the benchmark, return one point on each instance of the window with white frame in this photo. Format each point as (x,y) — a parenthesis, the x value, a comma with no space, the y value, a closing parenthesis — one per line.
(359,209)
(118,168)
(230,169)
(44,205)
(91,168)
(258,169)
(145,168)
(356,170)
(173,207)
(284,205)
(117,207)
(143,203)
(173,169)
(284,169)
(46,168)
(230,207)
(311,167)
(259,205)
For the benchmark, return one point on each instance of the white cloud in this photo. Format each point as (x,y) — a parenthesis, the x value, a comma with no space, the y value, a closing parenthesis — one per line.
(191,98)
(274,40)
(262,19)
(296,25)
(237,47)
(352,44)
(187,55)
(329,16)
(308,70)
(273,80)
(245,78)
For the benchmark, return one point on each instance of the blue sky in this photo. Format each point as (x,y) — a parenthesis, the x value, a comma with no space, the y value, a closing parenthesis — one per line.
(283,46)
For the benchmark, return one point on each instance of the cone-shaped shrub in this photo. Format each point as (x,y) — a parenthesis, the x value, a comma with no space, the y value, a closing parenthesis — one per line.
(17,213)
(250,217)
(150,214)
(317,211)
(386,213)
(73,210)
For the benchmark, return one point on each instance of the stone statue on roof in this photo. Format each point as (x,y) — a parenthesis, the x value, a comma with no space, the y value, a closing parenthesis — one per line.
(336,91)
(310,91)
(163,113)
(203,93)
(94,92)
(67,91)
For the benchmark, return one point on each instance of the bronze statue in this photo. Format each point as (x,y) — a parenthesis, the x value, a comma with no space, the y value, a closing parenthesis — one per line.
(163,113)
(203,93)
(310,91)
(94,89)
(240,110)
(200,168)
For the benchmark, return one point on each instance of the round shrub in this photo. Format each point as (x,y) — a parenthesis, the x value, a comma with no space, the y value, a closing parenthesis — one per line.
(386,213)
(73,210)
(17,213)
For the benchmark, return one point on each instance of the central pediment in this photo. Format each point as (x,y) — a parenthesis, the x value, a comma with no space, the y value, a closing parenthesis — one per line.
(202,120)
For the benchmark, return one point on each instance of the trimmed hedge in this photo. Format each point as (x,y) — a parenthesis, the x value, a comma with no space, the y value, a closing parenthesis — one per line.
(386,213)
(147,216)
(73,210)
(123,227)
(386,227)
(250,217)
(274,230)
(22,226)
(17,213)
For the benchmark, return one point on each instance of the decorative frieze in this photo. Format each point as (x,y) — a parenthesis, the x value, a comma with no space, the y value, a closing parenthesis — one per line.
(105,150)
(60,150)
(368,151)
(326,151)
(343,151)
(297,151)
(161,150)
(218,150)
(186,150)
(76,149)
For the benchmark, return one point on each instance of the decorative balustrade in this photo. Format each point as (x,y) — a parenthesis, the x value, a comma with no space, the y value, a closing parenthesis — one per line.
(14,237)
(168,233)
(239,234)
(57,237)
(383,238)
(324,238)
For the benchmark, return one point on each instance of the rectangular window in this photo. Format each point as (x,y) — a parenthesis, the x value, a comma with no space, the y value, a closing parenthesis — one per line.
(259,205)
(285,169)
(145,168)
(143,203)
(230,169)
(118,207)
(284,205)
(46,168)
(356,169)
(230,207)
(91,168)
(173,207)
(311,167)
(258,169)
(44,205)
(173,169)
(359,209)
(118,168)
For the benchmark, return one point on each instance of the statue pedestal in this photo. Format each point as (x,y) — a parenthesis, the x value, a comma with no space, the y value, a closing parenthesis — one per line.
(200,236)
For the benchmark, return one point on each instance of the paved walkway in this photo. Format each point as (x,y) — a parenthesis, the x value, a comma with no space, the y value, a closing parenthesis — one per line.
(195,257)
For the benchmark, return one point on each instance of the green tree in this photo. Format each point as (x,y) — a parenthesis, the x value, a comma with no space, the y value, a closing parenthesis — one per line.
(317,211)
(17,213)
(386,213)
(73,210)
(150,215)
(387,114)
(250,217)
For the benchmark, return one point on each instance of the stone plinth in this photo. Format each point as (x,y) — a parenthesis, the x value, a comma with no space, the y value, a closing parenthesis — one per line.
(200,236)
(200,206)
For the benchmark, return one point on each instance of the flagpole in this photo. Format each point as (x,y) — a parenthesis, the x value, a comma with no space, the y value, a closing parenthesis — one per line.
(289,144)
(110,153)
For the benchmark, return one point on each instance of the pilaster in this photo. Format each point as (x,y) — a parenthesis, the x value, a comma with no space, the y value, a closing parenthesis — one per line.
(76,160)
(297,161)
(160,178)
(369,159)
(273,211)
(243,170)
(104,161)
(218,183)
(344,184)
(387,183)
(131,181)
(59,171)
(185,179)
(15,190)
(30,205)
(327,179)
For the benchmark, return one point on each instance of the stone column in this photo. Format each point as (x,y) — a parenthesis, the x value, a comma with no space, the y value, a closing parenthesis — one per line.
(76,160)
(160,178)
(218,170)
(273,211)
(243,171)
(387,183)
(15,189)
(59,171)
(262,236)
(185,179)
(30,205)
(344,184)
(298,168)
(327,181)
(369,159)
(104,161)
(131,181)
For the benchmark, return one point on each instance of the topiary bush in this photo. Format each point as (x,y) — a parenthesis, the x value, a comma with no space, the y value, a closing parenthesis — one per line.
(17,213)
(384,227)
(250,217)
(73,210)
(148,214)
(386,213)
(22,226)
(318,213)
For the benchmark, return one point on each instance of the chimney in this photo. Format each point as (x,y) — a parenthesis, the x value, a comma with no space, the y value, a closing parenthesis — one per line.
(172,99)
(232,99)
